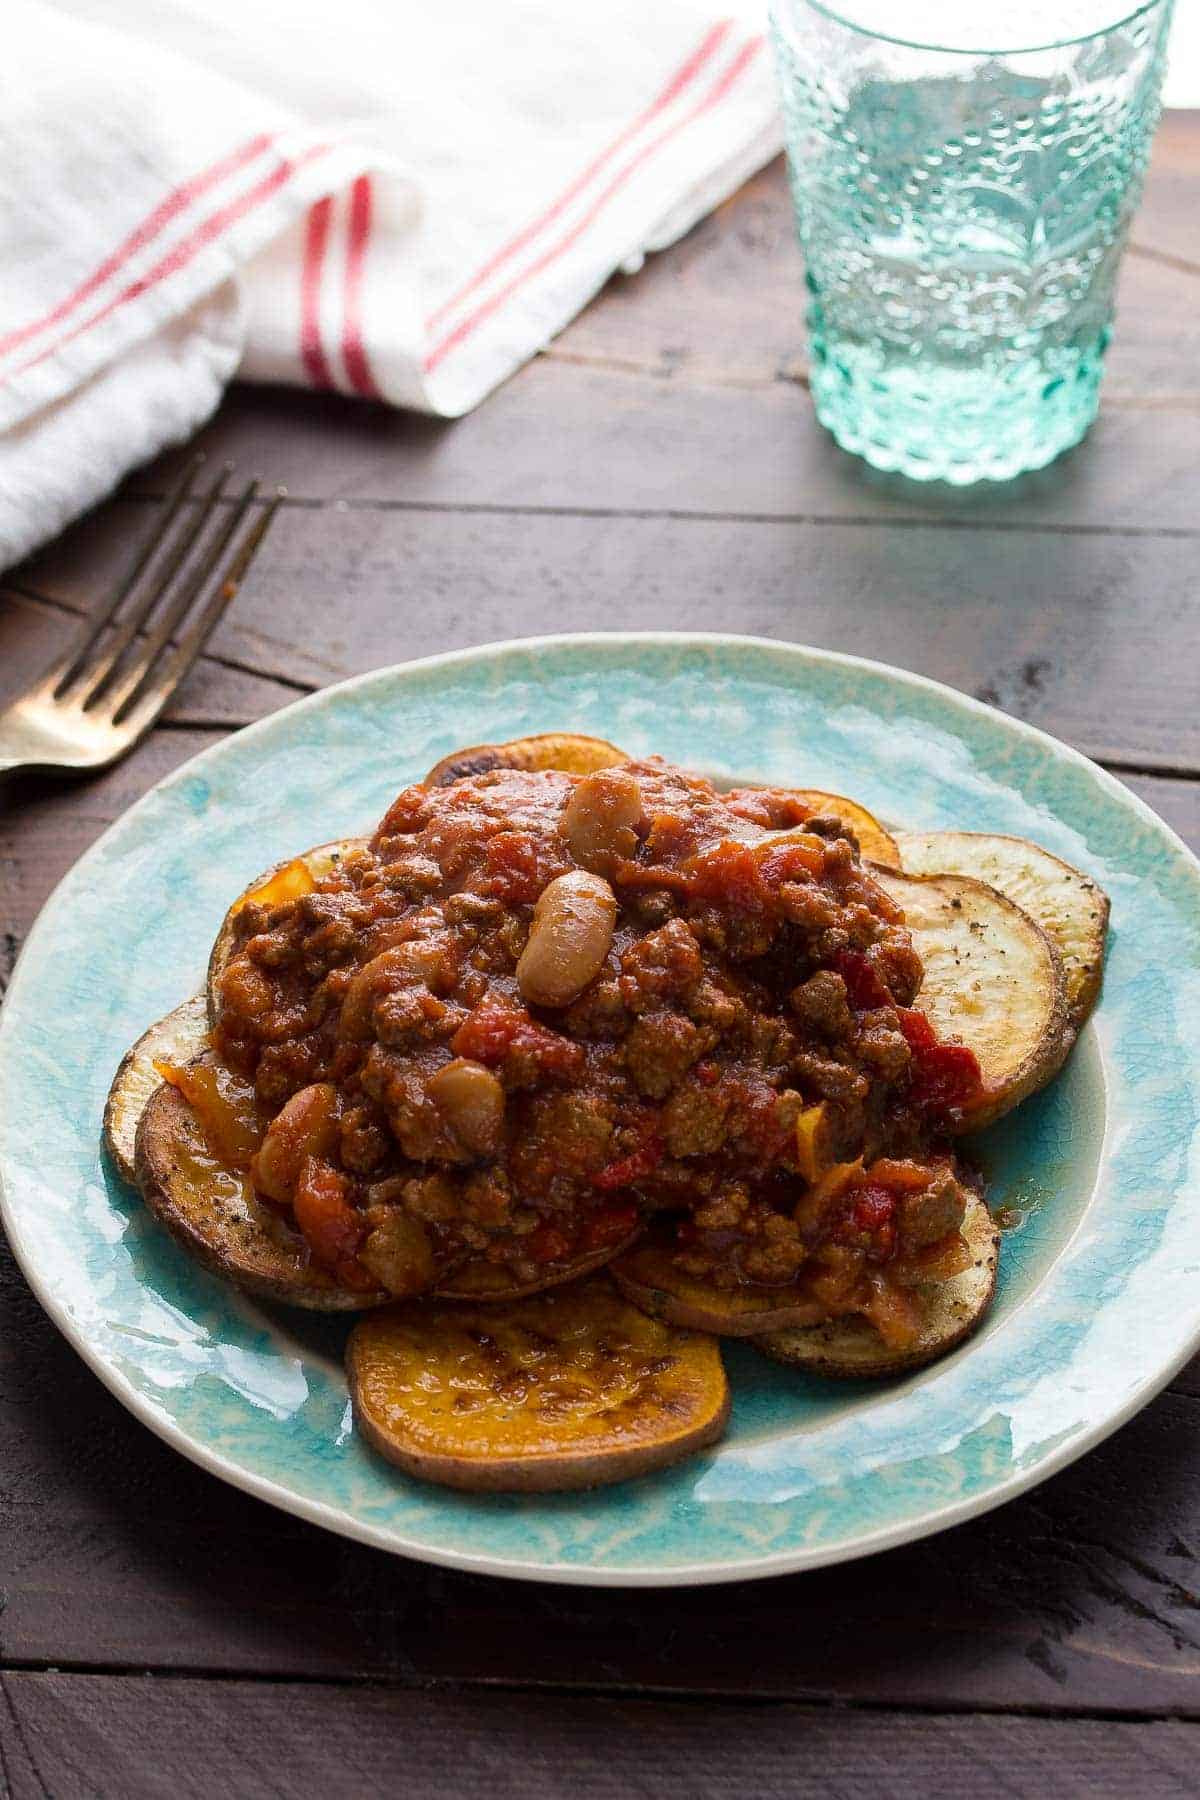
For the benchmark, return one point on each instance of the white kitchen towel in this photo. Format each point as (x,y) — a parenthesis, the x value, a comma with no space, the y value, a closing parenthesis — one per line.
(397,199)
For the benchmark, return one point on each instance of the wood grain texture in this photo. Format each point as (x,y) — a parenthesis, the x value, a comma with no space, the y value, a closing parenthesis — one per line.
(1078,633)
(143,1739)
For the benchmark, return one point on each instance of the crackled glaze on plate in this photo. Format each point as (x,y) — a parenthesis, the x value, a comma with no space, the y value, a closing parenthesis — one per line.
(1098,1301)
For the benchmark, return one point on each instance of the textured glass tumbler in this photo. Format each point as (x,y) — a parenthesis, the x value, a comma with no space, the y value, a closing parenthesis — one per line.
(962,207)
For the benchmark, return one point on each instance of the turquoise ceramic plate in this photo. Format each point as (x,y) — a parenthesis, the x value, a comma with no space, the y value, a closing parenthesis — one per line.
(1098,1303)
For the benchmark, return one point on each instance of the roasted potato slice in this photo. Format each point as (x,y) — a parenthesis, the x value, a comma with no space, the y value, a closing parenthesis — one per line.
(649,1276)
(566,750)
(486,1282)
(175,1039)
(156,1141)
(993,981)
(286,880)
(572,1389)
(876,844)
(1067,904)
(851,1348)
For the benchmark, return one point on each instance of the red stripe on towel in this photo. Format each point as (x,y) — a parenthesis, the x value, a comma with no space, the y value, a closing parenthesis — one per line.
(720,89)
(168,209)
(678,84)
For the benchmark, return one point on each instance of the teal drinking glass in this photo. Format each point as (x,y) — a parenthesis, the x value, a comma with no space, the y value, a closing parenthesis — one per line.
(962,198)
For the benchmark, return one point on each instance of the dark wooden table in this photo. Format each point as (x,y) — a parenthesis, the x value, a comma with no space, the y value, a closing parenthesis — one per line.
(161,1634)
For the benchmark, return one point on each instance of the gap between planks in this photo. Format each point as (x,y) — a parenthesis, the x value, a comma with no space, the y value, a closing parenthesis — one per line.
(650,1694)
(683,515)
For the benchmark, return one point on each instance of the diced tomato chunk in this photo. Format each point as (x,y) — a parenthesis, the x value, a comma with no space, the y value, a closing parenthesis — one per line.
(633,1168)
(494,1030)
(947,1076)
(729,873)
(874,1206)
(918,1032)
(785,862)
(486,1035)
(407,813)
(513,867)
(944,1076)
(330,1225)
(863,986)
(610,1226)
(548,1244)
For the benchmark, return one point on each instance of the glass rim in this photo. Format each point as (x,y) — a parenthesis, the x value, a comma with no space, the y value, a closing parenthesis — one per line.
(831,10)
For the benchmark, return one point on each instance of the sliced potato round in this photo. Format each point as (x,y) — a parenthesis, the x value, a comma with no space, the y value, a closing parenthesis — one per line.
(214,1211)
(649,1276)
(488,1282)
(571,1389)
(1067,904)
(287,880)
(175,1039)
(876,844)
(851,1348)
(993,981)
(566,750)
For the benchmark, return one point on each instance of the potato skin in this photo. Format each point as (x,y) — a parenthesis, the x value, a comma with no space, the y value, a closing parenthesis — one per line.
(216,1217)
(484,1283)
(972,938)
(176,1038)
(852,1350)
(569,751)
(1071,908)
(648,1276)
(570,1390)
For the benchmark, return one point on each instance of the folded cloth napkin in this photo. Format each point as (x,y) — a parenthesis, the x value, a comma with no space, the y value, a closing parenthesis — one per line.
(399,200)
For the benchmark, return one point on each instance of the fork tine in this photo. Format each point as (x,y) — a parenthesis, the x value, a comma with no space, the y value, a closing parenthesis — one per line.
(95,623)
(188,648)
(98,676)
(177,611)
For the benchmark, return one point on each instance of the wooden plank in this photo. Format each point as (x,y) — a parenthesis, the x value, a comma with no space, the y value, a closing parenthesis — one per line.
(1167,220)
(77,1736)
(599,432)
(1080,634)
(1178,802)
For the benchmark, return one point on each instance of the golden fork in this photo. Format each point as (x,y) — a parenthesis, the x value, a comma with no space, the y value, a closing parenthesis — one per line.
(96,700)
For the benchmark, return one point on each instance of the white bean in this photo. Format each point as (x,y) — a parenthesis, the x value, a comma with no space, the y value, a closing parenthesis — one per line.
(569,938)
(599,817)
(471,1102)
(399,1255)
(306,1126)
